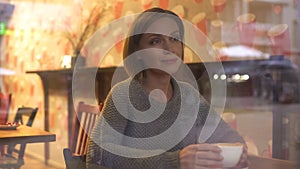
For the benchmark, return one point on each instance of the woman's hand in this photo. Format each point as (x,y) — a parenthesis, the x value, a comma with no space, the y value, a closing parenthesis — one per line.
(243,163)
(200,156)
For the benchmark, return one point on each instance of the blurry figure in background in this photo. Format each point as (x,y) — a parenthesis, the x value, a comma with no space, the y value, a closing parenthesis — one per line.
(156,42)
(5,100)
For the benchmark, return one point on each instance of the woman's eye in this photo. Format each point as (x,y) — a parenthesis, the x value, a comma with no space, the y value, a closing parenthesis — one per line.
(175,38)
(155,41)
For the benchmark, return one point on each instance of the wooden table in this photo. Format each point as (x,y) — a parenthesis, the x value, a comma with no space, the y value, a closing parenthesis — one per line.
(256,162)
(25,134)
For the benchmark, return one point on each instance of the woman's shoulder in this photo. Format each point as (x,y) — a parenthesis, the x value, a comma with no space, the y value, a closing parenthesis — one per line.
(188,90)
(125,89)
(121,85)
(185,85)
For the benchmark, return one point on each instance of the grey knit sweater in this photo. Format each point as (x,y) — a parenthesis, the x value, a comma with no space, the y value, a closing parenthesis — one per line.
(114,148)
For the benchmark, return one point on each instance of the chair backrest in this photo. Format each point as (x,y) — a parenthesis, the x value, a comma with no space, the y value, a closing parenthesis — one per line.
(5,101)
(28,112)
(84,122)
(23,112)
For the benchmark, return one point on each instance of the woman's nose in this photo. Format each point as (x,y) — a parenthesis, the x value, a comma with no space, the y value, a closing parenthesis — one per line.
(168,47)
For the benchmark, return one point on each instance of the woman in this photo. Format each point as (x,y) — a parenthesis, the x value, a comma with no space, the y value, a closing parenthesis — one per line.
(145,106)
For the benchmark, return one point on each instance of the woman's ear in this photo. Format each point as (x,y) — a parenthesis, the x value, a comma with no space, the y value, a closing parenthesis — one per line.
(182,56)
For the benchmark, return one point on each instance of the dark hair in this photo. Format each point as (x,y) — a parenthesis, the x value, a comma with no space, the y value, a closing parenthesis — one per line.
(140,25)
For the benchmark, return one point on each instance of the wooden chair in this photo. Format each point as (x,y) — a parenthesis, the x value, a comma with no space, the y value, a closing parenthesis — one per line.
(10,161)
(84,122)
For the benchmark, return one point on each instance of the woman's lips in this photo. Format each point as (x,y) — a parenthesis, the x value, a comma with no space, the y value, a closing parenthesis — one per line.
(169,61)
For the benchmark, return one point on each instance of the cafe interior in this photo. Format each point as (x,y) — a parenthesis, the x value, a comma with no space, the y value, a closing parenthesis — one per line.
(50,49)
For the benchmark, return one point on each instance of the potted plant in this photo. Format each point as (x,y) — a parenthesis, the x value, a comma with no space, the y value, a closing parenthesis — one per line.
(89,25)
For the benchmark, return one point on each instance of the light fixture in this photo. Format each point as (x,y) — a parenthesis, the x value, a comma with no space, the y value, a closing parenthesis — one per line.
(216,76)
(223,77)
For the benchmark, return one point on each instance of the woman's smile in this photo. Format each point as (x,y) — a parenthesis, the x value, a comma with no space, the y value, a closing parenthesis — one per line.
(169,61)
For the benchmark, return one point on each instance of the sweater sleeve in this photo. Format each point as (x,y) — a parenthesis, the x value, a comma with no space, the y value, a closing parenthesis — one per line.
(99,156)
(223,132)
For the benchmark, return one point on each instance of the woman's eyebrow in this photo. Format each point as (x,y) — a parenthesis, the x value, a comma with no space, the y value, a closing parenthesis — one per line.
(149,35)
(159,35)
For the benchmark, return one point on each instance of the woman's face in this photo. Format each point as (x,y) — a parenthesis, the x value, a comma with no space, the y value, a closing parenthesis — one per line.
(161,46)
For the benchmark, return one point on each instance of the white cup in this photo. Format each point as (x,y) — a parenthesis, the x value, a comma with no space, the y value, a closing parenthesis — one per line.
(231,153)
